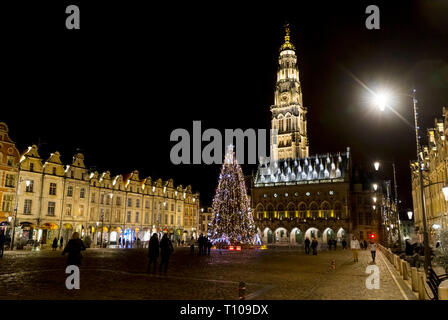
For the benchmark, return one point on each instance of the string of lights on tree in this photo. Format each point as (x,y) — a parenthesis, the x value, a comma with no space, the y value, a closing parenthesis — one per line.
(233,222)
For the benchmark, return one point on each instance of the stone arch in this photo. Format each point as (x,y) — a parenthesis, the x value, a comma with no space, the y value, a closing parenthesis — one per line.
(341,234)
(291,208)
(313,207)
(296,236)
(259,209)
(327,235)
(280,211)
(270,211)
(325,205)
(281,235)
(268,236)
(313,233)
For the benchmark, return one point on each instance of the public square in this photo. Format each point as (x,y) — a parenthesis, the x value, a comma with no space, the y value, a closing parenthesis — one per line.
(276,273)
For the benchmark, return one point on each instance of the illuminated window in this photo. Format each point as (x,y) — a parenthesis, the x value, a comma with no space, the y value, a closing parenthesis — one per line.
(286,195)
(308,194)
(275,195)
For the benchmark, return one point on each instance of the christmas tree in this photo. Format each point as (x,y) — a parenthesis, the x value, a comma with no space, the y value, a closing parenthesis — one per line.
(232,222)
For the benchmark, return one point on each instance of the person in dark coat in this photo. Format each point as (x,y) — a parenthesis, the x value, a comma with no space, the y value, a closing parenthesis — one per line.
(61,242)
(365,245)
(166,249)
(2,243)
(192,245)
(55,244)
(307,246)
(335,243)
(209,246)
(344,244)
(201,244)
(314,244)
(153,252)
(74,248)
(329,243)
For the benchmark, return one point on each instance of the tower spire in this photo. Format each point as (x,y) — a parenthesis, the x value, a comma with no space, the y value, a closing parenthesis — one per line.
(287,44)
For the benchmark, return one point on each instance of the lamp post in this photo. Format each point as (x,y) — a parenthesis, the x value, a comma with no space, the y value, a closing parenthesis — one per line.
(381,101)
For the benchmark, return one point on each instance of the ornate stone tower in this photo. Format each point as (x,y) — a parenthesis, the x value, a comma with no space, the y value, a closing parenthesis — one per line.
(289,140)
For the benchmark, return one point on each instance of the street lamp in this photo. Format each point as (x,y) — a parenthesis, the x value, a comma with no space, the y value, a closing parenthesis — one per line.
(375,186)
(376,164)
(410,215)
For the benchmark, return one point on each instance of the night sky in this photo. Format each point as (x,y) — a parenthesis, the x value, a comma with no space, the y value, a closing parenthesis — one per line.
(134,72)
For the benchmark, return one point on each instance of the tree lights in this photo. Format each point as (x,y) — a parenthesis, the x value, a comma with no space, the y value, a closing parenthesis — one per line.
(233,222)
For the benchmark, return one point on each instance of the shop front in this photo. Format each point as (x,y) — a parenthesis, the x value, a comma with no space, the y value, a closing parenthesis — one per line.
(47,232)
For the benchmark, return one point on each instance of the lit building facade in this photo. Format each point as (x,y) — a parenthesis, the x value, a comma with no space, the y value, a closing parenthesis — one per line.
(435,156)
(9,158)
(56,200)
(205,218)
(295,195)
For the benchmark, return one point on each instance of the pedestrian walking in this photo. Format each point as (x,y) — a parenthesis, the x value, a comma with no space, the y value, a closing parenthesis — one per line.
(373,250)
(335,243)
(314,244)
(329,243)
(61,242)
(55,244)
(307,246)
(354,245)
(166,249)
(73,248)
(2,243)
(153,252)
(192,245)
(365,244)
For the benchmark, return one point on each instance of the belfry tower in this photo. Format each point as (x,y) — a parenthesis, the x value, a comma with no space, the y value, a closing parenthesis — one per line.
(289,139)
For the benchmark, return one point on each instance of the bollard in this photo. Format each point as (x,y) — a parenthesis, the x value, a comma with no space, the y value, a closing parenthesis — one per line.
(421,285)
(242,291)
(396,262)
(404,270)
(443,290)
(414,279)
(400,266)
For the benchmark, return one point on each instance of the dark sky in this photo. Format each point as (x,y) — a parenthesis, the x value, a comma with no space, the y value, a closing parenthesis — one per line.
(135,72)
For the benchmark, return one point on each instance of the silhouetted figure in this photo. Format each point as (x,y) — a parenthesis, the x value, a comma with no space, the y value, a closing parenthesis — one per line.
(314,244)
(201,244)
(61,242)
(344,244)
(335,243)
(365,244)
(2,243)
(153,252)
(355,245)
(209,246)
(307,246)
(329,243)
(74,248)
(192,245)
(166,249)
(373,250)
(55,244)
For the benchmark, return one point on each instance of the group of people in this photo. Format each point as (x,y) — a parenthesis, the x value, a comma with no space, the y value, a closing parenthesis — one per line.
(164,248)
(204,245)
(313,244)
(55,243)
(332,243)
(357,245)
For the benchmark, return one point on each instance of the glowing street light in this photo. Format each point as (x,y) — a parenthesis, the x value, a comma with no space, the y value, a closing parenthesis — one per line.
(375,186)
(374,199)
(376,164)
(381,100)
(410,215)
(374,207)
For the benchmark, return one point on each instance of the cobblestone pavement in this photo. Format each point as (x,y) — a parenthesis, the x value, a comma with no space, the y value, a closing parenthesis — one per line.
(276,273)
